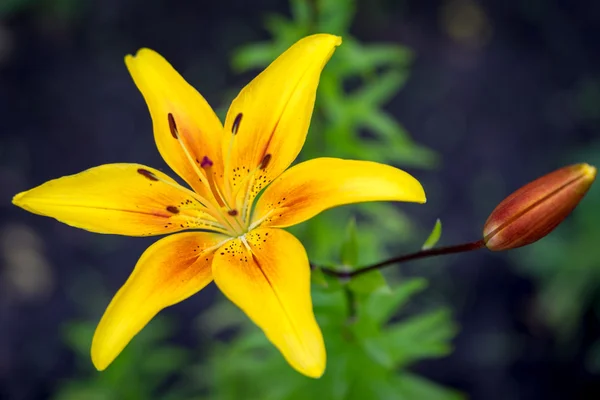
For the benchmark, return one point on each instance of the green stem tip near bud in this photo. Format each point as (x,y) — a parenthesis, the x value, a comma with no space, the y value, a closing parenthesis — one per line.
(537,208)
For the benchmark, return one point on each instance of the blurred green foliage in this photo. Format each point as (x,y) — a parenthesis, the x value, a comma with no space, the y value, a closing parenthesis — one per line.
(141,372)
(566,266)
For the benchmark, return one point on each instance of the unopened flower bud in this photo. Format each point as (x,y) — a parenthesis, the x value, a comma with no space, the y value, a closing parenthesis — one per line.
(537,208)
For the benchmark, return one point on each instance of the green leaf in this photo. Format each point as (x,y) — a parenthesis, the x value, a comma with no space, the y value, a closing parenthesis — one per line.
(410,386)
(422,336)
(382,124)
(434,236)
(382,305)
(325,281)
(331,308)
(368,283)
(162,361)
(335,16)
(349,253)
(302,12)
(392,54)
(359,59)
(378,352)
(78,336)
(251,56)
(379,91)
(285,31)
(317,277)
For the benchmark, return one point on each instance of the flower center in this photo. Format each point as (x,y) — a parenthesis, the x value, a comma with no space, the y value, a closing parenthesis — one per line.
(230,192)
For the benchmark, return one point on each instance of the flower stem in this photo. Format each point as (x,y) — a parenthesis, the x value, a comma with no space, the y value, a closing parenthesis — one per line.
(459,248)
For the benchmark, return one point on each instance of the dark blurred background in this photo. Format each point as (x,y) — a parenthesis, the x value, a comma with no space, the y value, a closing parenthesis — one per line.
(503,91)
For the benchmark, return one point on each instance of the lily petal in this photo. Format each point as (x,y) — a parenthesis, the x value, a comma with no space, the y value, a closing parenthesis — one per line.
(122,199)
(169,271)
(313,186)
(271,115)
(198,129)
(267,275)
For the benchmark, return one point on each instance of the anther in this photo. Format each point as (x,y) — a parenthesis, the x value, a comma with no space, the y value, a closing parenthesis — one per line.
(265,161)
(147,174)
(233,213)
(173,126)
(173,209)
(236,123)
(206,162)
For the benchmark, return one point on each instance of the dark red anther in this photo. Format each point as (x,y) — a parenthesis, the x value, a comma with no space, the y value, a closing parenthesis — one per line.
(206,162)
(147,174)
(265,161)
(236,123)
(173,126)
(173,209)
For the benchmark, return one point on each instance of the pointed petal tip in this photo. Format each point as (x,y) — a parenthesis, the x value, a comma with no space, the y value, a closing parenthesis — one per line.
(25,201)
(99,367)
(417,190)
(100,361)
(311,362)
(129,59)
(423,196)
(140,55)
(102,351)
(327,40)
(334,39)
(415,193)
(141,52)
(17,199)
(315,370)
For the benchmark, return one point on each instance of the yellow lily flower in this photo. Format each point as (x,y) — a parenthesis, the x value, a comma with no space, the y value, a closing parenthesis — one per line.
(235,238)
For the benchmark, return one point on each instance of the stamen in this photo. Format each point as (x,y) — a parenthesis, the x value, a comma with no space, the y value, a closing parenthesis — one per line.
(233,212)
(228,181)
(204,203)
(265,161)
(257,223)
(245,242)
(209,186)
(173,126)
(147,174)
(206,163)
(173,209)
(236,123)
(247,184)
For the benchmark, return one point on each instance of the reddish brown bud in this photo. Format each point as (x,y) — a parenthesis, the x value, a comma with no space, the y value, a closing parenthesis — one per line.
(537,208)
